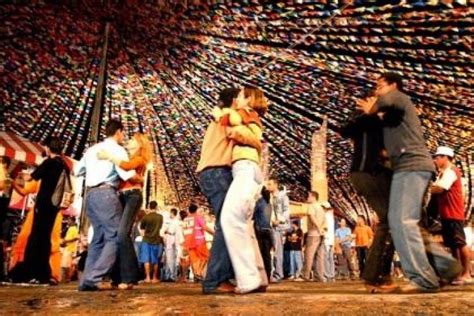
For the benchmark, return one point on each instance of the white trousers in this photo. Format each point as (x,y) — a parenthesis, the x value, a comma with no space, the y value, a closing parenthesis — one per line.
(237,226)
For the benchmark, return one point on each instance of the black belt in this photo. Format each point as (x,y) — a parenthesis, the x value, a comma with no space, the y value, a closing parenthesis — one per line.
(124,191)
(102,185)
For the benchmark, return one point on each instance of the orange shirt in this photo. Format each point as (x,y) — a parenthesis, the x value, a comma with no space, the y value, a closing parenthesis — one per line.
(363,236)
(138,164)
(216,148)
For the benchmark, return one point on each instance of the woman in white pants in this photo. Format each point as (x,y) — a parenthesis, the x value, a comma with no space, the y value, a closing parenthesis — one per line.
(237,211)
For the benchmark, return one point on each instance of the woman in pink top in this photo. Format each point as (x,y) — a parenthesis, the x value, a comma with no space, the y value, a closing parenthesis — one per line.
(195,241)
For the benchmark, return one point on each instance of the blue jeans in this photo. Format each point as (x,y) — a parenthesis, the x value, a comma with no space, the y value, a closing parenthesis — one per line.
(414,248)
(330,270)
(296,263)
(127,258)
(214,184)
(278,257)
(104,211)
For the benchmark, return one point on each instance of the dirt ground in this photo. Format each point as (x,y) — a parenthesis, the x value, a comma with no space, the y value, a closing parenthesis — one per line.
(341,298)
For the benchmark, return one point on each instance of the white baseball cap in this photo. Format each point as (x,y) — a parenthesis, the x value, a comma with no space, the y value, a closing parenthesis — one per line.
(444,151)
(326,205)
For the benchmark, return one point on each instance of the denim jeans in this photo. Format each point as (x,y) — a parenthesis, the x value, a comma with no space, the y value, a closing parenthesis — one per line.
(215,183)
(376,190)
(237,225)
(127,258)
(265,243)
(296,263)
(330,270)
(104,211)
(415,249)
(278,257)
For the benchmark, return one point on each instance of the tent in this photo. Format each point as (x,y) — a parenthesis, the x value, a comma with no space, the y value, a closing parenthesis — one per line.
(20,149)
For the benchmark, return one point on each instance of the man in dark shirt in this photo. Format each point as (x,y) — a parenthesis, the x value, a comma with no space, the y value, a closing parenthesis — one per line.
(295,240)
(413,169)
(152,244)
(263,229)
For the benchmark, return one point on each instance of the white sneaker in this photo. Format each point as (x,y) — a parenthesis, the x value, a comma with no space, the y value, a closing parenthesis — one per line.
(299,279)
(291,278)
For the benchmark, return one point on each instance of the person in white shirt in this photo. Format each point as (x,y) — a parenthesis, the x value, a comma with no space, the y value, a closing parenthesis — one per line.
(330,272)
(171,231)
(103,206)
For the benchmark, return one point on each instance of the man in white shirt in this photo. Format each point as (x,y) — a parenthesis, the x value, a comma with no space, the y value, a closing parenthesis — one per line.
(448,192)
(171,230)
(314,247)
(280,222)
(102,206)
(330,272)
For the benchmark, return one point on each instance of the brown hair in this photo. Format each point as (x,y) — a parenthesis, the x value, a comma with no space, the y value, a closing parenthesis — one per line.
(258,101)
(145,150)
(314,194)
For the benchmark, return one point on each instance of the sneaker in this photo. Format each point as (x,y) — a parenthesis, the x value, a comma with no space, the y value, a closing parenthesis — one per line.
(260,289)
(87,288)
(223,288)
(413,288)
(104,286)
(299,279)
(291,278)
(125,286)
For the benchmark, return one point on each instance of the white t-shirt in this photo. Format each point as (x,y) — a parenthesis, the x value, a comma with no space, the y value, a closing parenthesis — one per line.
(329,237)
(446,179)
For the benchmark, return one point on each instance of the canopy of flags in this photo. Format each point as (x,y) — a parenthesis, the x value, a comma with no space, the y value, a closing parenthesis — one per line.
(168,60)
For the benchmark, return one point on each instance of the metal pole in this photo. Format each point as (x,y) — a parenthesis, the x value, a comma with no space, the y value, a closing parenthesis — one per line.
(99,94)
(95,120)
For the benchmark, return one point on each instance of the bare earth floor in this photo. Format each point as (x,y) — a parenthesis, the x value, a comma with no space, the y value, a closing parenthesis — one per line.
(341,298)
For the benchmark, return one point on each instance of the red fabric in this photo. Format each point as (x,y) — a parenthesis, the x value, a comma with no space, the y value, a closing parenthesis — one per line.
(248,116)
(19,148)
(450,202)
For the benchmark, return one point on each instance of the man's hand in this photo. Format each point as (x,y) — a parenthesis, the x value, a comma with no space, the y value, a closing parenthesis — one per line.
(367,105)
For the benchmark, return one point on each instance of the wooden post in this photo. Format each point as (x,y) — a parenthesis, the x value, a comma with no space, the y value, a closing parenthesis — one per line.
(95,119)
(99,93)
(319,181)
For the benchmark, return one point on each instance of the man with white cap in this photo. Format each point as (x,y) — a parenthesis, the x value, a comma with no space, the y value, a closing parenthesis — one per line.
(329,237)
(447,190)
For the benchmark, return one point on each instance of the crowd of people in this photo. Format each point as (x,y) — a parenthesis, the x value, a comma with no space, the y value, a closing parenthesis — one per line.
(255,241)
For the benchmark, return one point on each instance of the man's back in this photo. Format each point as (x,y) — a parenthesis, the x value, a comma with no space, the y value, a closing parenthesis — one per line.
(318,227)
(103,171)
(151,224)
(405,142)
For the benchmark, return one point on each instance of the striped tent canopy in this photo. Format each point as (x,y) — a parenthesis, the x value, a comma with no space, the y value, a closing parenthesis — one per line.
(19,148)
